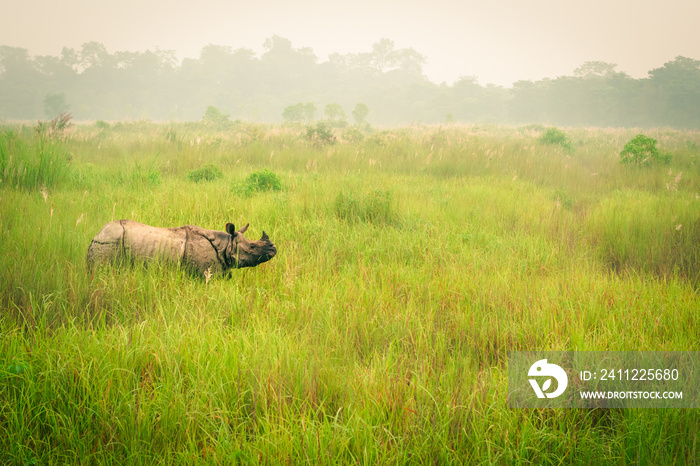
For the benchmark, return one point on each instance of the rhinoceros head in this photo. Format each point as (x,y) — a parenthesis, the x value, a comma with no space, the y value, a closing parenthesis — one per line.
(245,253)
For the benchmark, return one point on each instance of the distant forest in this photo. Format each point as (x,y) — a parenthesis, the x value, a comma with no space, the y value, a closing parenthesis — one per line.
(94,84)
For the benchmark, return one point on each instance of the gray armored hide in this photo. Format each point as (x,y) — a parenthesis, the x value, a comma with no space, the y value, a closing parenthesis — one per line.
(201,250)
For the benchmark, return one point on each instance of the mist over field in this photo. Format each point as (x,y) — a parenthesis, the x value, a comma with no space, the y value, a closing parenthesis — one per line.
(94,83)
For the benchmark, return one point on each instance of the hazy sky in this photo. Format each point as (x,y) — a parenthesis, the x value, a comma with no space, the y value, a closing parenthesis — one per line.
(499,41)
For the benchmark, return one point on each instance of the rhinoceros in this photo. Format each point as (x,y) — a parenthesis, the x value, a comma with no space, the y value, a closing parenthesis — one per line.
(200,250)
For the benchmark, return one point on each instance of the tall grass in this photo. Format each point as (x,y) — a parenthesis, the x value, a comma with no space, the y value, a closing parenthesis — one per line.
(379,333)
(31,163)
(658,234)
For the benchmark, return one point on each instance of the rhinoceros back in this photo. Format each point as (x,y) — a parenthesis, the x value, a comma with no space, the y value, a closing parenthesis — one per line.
(129,239)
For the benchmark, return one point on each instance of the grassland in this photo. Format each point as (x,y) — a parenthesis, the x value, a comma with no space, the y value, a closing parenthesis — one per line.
(410,262)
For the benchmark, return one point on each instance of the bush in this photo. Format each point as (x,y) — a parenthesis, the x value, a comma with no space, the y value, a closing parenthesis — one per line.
(320,134)
(209,172)
(641,151)
(215,117)
(259,181)
(353,134)
(554,136)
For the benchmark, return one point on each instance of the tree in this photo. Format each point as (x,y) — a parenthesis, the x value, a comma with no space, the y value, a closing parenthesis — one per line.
(286,69)
(384,58)
(216,62)
(55,104)
(383,55)
(293,113)
(409,62)
(360,113)
(642,151)
(677,85)
(14,61)
(299,112)
(214,116)
(335,111)
(19,81)
(595,68)
(70,58)
(387,79)
(467,98)
(94,55)
(309,110)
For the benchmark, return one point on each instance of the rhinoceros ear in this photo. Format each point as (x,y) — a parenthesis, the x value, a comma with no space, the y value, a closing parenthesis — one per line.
(231,229)
(243,230)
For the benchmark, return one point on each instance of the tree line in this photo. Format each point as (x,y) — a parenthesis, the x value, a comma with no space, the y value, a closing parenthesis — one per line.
(389,82)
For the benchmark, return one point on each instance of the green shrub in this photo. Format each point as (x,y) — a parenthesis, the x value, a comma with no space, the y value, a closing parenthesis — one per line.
(264,180)
(102,125)
(321,134)
(554,136)
(215,117)
(259,181)
(642,151)
(209,172)
(353,134)
(374,207)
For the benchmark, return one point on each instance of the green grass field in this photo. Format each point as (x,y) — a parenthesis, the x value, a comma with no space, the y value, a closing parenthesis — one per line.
(410,261)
